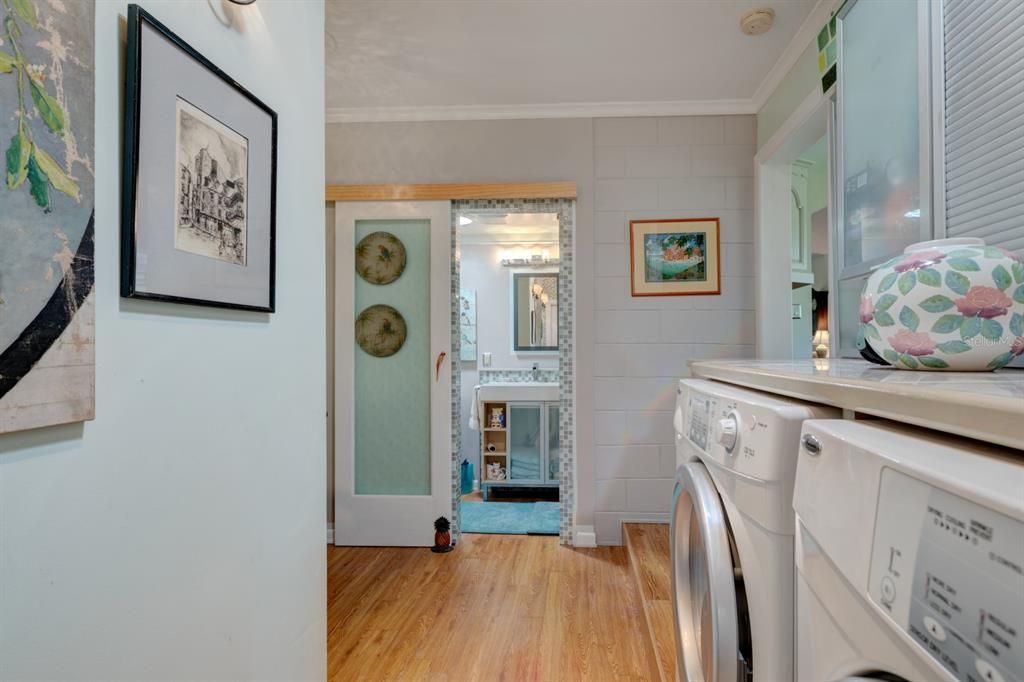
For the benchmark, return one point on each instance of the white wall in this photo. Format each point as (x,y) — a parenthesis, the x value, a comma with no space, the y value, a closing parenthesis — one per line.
(661,168)
(181,534)
(480,269)
(629,351)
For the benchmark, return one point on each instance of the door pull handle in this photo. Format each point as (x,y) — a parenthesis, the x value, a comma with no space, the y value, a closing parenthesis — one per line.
(437,365)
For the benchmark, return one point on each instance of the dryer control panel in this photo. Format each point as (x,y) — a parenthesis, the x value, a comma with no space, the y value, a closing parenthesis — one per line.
(950,573)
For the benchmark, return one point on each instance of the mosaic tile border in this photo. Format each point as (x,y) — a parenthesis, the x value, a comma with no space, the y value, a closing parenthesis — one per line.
(566,210)
(489,376)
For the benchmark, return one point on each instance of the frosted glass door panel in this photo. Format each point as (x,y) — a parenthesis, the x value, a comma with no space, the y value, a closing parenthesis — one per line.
(880,130)
(524,447)
(392,394)
(553,441)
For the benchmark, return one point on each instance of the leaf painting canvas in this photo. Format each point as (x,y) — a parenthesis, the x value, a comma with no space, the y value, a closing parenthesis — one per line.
(46,213)
(674,257)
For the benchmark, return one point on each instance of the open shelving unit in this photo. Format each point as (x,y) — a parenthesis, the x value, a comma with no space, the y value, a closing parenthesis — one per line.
(524,444)
(495,437)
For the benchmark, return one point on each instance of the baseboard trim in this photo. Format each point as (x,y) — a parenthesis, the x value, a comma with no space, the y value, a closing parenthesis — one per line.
(584,536)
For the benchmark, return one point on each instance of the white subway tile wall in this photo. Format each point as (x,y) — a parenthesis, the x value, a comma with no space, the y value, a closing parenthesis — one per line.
(683,167)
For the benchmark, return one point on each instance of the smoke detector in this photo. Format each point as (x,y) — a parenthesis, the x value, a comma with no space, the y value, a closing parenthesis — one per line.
(757,21)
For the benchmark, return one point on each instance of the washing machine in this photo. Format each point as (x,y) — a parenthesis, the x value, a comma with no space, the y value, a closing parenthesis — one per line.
(910,556)
(732,531)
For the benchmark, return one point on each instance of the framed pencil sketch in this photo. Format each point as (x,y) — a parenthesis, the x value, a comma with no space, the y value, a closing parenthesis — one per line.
(675,257)
(200,178)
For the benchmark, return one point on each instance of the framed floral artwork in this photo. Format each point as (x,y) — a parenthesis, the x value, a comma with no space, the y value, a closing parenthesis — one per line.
(677,257)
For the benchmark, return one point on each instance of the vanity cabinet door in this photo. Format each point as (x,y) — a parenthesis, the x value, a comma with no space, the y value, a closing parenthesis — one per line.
(553,438)
(525,443)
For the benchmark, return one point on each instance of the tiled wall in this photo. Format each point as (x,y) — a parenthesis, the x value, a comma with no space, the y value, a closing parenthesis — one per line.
(683,167)
(629,351)
(490,376)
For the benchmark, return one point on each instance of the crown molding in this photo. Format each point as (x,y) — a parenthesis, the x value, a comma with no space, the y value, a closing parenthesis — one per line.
(716,107)
(807,33)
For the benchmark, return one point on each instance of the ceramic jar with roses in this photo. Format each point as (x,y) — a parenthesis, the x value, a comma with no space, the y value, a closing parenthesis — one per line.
(952,304)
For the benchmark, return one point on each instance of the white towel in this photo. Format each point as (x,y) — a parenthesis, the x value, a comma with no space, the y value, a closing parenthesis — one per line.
(474,410)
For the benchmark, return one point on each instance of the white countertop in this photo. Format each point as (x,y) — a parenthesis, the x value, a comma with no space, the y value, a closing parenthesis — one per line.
(988,406)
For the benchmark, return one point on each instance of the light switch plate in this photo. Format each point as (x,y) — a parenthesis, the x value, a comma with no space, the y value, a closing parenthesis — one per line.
(487,359)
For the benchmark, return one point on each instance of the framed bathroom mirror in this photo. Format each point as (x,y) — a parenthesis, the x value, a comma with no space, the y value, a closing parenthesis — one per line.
(535,312)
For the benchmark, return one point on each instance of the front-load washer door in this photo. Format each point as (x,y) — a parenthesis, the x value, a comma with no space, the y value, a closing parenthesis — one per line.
(704,598)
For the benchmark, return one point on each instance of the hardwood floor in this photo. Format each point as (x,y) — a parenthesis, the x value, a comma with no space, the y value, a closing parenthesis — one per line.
(648,545)
(500,607)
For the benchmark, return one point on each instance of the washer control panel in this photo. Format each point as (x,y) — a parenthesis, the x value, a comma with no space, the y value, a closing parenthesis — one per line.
(950,573)
(700,412)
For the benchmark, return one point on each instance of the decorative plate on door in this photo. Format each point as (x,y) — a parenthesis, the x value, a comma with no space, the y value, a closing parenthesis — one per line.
(380,258)
(380,330)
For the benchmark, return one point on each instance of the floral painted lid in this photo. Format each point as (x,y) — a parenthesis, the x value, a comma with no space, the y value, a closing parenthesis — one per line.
(380,258)
(380,331)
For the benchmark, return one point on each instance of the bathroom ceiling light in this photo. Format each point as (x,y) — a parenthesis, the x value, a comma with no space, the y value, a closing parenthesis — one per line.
(757,21)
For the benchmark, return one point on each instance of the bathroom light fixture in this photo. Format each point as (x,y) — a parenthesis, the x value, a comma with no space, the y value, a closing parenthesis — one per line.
(529,262)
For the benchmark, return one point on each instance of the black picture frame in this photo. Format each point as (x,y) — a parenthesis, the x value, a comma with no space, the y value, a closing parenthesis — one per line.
(137,17)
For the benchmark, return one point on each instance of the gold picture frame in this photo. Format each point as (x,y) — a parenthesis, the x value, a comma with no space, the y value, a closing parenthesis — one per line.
(675,257)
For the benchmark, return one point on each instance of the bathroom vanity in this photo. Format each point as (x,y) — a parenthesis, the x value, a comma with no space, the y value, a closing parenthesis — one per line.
(519,435)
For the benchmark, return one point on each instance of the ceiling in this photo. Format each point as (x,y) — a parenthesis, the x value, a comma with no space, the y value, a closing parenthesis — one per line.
(408,59)
(508,228)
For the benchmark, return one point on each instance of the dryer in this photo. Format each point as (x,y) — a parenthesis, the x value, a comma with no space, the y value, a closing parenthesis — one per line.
(910,556)
(732,531)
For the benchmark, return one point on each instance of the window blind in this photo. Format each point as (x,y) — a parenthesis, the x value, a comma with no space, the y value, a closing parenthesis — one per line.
(984,83)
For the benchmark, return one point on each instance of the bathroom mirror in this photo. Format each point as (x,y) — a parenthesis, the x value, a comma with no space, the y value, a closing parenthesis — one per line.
(535,311)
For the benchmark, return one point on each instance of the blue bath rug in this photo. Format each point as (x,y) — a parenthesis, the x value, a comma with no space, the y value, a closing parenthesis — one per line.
(510,518)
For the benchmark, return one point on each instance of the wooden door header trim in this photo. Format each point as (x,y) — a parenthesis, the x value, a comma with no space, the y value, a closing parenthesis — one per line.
(452,191)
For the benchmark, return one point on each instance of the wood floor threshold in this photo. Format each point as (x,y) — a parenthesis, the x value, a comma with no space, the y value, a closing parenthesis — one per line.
(648,547)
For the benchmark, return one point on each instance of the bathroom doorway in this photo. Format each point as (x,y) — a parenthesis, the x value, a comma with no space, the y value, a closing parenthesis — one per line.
(512,421)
